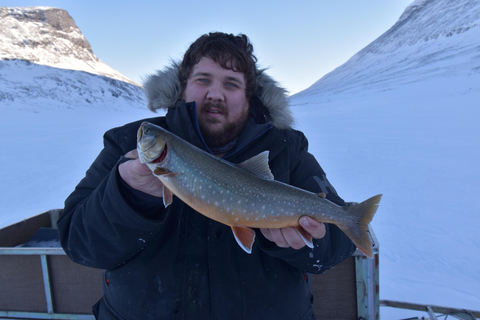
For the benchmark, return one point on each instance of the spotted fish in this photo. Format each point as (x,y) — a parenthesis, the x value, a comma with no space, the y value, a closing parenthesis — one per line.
(244,196)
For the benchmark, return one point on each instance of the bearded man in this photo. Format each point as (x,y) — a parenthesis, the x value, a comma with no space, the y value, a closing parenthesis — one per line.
(174,263)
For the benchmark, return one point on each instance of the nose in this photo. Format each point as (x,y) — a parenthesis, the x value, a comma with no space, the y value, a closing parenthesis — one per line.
(215,93)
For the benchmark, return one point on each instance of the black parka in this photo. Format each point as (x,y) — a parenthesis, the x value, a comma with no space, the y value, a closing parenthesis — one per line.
(174,263)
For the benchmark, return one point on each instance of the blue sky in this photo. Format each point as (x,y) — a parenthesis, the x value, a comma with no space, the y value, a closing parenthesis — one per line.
(299,41)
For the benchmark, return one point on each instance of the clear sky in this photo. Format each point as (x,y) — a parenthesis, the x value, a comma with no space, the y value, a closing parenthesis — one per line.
(299,41)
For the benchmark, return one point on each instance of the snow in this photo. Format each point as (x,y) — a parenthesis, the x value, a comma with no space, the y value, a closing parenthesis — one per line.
(38,87)
(418,146)
(46,153)
(399,118)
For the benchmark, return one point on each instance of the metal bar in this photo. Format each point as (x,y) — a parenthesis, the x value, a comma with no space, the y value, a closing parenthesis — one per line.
(38,315)
(367,287)
(421,307)
(54,215)
(431,313)
(361,288)
(373,286)
(46,283)
(31,251)
(367,275)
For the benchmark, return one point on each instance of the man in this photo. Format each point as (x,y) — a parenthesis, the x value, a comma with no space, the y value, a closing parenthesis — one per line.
(174,263)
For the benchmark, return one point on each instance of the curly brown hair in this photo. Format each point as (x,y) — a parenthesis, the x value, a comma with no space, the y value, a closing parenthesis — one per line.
(231,52)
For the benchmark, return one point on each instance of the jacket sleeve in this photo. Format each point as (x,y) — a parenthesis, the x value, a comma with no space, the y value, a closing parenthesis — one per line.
(99,227)
(335,246)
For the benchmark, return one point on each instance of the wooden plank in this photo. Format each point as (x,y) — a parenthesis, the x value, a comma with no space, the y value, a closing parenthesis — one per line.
(22,231)
(75,288)
(335,292)
(21,284)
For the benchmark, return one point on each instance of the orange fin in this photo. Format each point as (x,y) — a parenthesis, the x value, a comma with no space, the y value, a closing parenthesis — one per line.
(357,230)
(161,171)
(307,237)
(167,197)
(245,237)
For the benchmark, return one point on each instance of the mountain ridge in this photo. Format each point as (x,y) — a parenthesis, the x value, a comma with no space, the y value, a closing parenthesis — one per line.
(46,62)
(427,32)
(49,36)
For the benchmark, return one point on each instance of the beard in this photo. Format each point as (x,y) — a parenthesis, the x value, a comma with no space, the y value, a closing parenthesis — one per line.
(219,132)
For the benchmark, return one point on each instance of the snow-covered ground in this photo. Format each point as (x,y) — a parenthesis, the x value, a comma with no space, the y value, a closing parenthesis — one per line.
(418,145)
(46,153)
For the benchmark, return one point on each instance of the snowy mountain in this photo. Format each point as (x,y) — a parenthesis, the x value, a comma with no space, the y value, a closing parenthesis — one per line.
(40,87)
(422,45)
(46,62)
(401,118)
(48,36)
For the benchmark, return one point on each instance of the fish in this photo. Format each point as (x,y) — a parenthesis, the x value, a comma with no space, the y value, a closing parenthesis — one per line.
(244,196)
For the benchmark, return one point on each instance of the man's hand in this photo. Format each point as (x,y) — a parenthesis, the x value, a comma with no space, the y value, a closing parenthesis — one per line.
(290,237)
(139,176)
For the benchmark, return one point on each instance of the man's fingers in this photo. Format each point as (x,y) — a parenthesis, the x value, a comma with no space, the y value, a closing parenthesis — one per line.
(278,238)
(284,237)
(293,238)
(275,235)
(315,228)
(290,237)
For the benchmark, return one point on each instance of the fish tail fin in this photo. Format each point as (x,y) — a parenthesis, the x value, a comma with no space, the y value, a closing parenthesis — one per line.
(357,230)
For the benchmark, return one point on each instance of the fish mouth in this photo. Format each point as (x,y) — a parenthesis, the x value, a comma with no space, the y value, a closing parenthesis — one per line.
(150,148)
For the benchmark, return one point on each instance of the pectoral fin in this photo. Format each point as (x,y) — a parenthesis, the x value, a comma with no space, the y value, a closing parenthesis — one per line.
(162,171)
(167,196)
(245,237)
(307,237)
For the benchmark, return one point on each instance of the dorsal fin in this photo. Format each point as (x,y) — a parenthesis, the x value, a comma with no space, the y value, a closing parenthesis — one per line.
(258,165)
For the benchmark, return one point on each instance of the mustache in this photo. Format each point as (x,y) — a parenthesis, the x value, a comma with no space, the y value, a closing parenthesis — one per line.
(214,105)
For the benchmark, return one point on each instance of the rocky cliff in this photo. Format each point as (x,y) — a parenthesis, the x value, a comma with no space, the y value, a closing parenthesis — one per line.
(48,36)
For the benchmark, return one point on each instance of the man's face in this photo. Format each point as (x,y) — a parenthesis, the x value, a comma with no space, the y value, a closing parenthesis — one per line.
(222,106)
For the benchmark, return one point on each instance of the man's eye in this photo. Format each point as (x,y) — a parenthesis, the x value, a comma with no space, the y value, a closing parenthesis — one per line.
(231,85)
(202,80)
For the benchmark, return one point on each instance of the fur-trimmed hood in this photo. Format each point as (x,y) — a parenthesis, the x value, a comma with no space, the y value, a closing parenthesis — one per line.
(162,90)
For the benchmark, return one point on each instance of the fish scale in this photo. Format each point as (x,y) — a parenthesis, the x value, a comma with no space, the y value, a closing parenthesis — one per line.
(243,196)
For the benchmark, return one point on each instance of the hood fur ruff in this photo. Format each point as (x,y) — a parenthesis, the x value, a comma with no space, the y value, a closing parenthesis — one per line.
(162,90)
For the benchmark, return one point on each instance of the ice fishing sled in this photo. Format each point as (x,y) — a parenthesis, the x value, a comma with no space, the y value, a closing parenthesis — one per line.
(38,281)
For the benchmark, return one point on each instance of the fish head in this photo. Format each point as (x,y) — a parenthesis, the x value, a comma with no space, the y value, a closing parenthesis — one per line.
(151,143)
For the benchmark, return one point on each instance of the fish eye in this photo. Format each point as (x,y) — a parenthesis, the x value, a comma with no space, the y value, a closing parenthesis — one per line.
(146,131)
